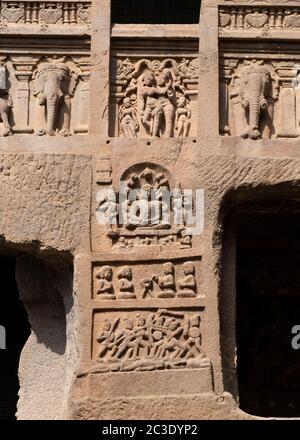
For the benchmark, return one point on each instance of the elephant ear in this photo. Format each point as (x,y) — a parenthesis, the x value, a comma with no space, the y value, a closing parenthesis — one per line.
(69,84)
(38,85)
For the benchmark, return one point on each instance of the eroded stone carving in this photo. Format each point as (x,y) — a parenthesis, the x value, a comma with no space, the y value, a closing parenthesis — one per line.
(51,13)
(5,103)
(149,212)
(12,12)
(155,96)
(166,282)
(134,282)
(149,341)
(45,13)
(126,287)
(104,287)
(253,90)
(187,285)
(54,84)
(259,18)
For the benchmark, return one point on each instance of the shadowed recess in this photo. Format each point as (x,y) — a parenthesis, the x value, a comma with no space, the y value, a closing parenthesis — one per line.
(13,318)
(156,11)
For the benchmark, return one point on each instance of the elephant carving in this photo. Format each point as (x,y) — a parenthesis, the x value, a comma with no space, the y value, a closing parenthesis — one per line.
(5,106)
(257,91)
(54,85)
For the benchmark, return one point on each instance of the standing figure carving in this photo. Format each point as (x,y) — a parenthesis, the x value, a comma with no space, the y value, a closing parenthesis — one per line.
(5,103)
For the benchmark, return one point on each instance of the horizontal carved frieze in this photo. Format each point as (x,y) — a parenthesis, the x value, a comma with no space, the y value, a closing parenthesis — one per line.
(258,18)
(148,340)
(167,280)
(45,14)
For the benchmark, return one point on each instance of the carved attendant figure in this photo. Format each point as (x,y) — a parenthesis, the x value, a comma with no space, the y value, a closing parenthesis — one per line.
(5,103)
(187,286)
(166,283)
(105,288)
(5,106)
(128,119)
(183,118)
(125,283)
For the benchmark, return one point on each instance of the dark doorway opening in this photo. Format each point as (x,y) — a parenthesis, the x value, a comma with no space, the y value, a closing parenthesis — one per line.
(267,308)
(14,319)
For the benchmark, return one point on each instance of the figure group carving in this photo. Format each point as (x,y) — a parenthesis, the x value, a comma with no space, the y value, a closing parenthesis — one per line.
(160,285)
(150,341)
(156,98)
(147,213)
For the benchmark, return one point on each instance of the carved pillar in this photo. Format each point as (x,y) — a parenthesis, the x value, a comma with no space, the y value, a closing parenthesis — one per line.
(208,114)
(23,72)
(84,98)
(287,104)
(100,57)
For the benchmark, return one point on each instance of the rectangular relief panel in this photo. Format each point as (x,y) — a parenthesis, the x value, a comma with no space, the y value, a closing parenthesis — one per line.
(259,21)
(158,280)
(259,89)
(156,339)
(154,92)
(45,16)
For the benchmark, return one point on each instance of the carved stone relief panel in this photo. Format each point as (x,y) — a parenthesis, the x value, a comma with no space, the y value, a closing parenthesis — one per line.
(148,209)
(257,19)
(259,97)
(148,340)
(162,280)
(44,15)
(154,97)
(39,94)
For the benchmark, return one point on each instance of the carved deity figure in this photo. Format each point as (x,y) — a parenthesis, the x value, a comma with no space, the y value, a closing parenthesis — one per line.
(167,99)
(187,285)
(53,86)
(255,88)
(128,120)
(166,283)
(183,118)
(105,288)
(126,288)
(152,111)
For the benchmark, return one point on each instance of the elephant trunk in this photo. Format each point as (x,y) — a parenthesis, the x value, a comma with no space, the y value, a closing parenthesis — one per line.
(52,107)
(257,102)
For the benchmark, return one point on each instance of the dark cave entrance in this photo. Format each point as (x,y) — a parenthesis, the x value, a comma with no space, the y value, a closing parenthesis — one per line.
(268,307)
(13,318)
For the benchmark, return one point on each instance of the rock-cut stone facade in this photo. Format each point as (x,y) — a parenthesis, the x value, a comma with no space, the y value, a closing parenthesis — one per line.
(85,105)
